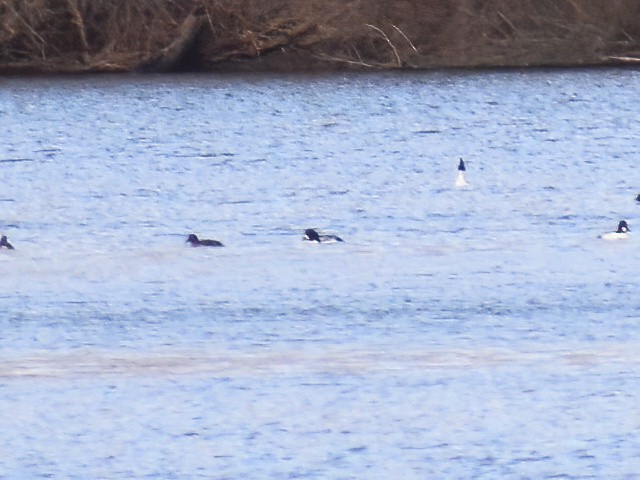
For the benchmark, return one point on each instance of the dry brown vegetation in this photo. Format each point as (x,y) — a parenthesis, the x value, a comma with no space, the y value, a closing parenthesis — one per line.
(124,35)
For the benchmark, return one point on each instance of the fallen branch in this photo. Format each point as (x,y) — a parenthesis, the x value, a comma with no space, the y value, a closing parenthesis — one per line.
(384,35)
(625,59)
(254,46)
(78,22)
(34,34)
(508,22)
(170,57)
(406,38)
(324,56)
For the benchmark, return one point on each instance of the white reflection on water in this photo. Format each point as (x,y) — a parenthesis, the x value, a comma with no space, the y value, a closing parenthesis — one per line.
(331,361)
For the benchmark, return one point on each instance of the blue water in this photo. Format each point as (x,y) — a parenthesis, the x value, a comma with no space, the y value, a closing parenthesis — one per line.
(484,332)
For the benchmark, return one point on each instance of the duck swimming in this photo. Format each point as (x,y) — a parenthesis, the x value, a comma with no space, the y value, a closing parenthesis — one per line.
(5,243)
(196,242)
(310,235)
(460,180)
(620,234)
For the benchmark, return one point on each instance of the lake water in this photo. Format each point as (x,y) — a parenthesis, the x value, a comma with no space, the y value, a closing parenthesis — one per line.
(484,332)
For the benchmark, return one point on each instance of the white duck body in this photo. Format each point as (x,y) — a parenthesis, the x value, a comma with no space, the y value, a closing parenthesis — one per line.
(621,234)
(461,181)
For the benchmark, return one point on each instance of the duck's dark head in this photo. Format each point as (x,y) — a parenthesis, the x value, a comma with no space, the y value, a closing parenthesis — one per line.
(311,235)
(623,227)
(193,239)
(461,166)
(638,198)
(5,243)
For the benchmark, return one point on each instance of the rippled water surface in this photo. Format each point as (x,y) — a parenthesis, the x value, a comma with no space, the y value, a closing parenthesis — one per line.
(484,332)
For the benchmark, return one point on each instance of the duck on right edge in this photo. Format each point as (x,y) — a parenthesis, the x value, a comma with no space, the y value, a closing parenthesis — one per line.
(461,181)
(621,234)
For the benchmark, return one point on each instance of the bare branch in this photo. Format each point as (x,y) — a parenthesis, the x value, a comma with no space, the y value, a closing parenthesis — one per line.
(384,35)
(406,38)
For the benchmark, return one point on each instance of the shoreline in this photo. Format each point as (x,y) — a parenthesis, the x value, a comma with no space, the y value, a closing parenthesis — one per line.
(30,70)
(294,36)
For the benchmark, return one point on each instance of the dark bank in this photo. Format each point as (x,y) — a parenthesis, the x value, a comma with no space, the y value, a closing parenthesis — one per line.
(76,36)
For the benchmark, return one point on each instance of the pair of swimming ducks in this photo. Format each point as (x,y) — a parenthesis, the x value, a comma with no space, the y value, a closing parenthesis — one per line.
(310,235)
